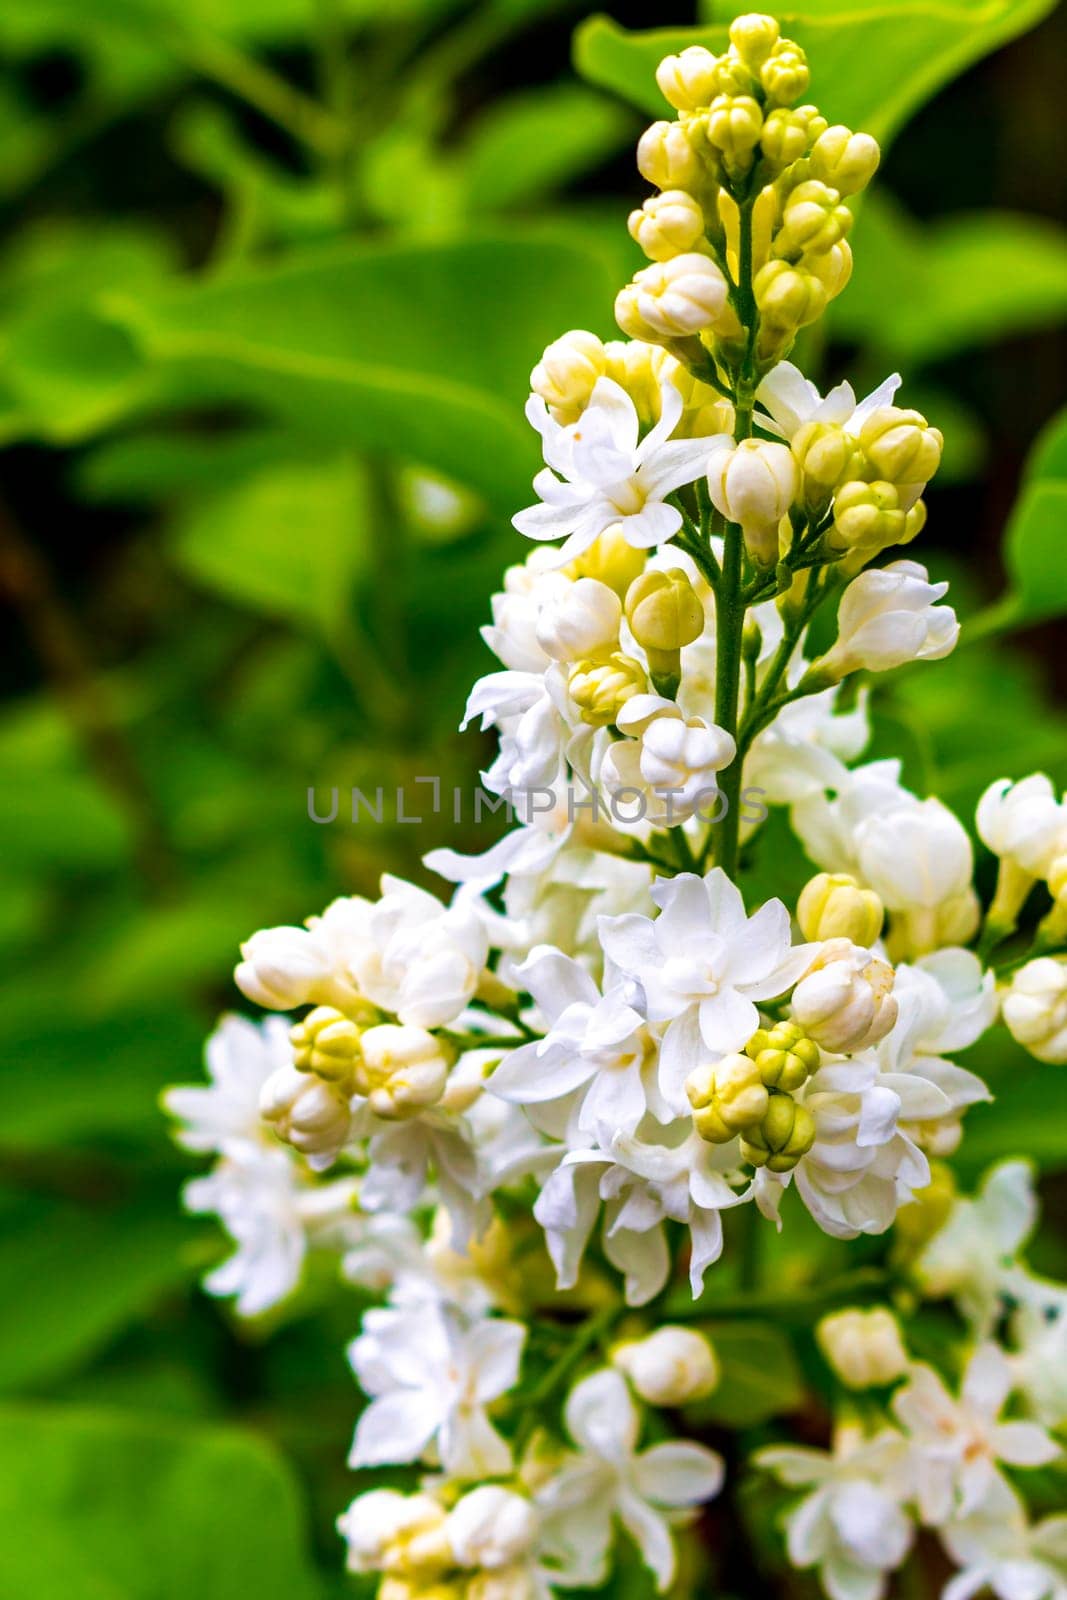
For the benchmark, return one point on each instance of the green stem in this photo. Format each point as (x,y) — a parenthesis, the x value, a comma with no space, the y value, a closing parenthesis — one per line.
(588,1334)
(730,622)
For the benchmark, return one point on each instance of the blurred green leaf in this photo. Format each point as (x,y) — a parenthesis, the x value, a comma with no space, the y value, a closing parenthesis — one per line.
(1034,539)
(951,284)
(111,1507)
(329,343)
(530,143)
(1029,1112)
(77,1275)
(288,541)
(872,65)
(760,1375)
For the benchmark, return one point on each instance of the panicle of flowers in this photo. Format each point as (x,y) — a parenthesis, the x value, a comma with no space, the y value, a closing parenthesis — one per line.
(528,1122)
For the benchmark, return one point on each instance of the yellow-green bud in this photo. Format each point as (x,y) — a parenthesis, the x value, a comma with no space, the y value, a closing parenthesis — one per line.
(751,639)
(687,80)
(867,516)
(914,522)
(735,123)
(402,1069)
(600,689)
(565,375)
(813,221)
(922,1217)
(833,906)
(754,36)
(785,1133)
(784,75)
(667,225)
(901,446)
(784,1054)
(640,369)
(610,559)
(845,160)
(826,455)
(727,1096)
(670,300)
(666,157)
(788,297)
(733,77)
(664,611)
(787,134)
(833,267)
(326,1043)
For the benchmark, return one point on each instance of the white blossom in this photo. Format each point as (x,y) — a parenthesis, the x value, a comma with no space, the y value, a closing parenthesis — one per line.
(670,1367)
(609,475)
(430,1376)
(864,1348)
(972,1257)
(955,1445)
(999,1550)
(703,965)
(669,759)
(609,1478)
(240,1057)
(491,1527)
(791,400)
(888,617)
(1035,1008)
(1022,822)
(845,1001)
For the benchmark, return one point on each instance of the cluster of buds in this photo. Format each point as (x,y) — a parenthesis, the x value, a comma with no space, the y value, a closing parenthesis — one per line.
(750,1095)
(739,140)
(477,1550)
(567,372)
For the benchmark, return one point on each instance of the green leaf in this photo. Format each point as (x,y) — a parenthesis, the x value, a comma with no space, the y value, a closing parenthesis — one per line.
(760,1378)
(111,1507)
(78,1276)
(330,342)
(873,64)
(951,284)
(289,541)
(1034,539)
(530,143)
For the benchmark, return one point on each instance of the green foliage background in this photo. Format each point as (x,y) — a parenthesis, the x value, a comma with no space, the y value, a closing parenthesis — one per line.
(265,264)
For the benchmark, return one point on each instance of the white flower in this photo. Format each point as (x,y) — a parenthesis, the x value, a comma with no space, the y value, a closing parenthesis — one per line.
(610,1479)
(670,1367)
(844,1001)
(430,1377)
(672,299)
(888,617)
(529,590)
(420,959)
(956,1444)
(595,1042)
(803,750)
(864,1348)
(1035,1008)
(1000,1551)
(642,1184)
(240,1057)
(972,1258)
(610,476)
(491,1527)
(752,483)
(851,1526)
(793,400)
(286,967)
(581,620)
(669,759)
(1022,822)
(703,965)
(917,856)
(273,1217)
(831,830)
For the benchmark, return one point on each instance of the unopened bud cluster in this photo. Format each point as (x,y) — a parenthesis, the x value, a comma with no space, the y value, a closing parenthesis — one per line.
(751,1095)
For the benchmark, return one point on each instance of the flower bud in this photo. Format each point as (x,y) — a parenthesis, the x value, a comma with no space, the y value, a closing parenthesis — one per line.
(753,483)
(680,756)
(900,445)
(864,1348)
(887,617)
(788,297)
(667,225)
(846,161)
(666,157)
(665,615)
(1022,822)
(672,299)
(833,906)
(286,967)
(565,375)
(491,1527)
(832,268)
(813,221)
(754,36)
(787,134)
(402,1070)
(581,621)
(600,689)
(687,80)
(784,1054)
(914,522)
(395,1533)
(785,1134)
(1035,1009)
(307,1112)
(784,75)
(670,1367)
(326,1043)
(733,77)
(867,518)
(826,455)
(610,559)
(735,123)
(845,1000)
(641,369)
(726,1096)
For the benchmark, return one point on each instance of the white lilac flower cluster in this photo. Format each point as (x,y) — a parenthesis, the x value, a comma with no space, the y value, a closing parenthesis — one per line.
(524,1120)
